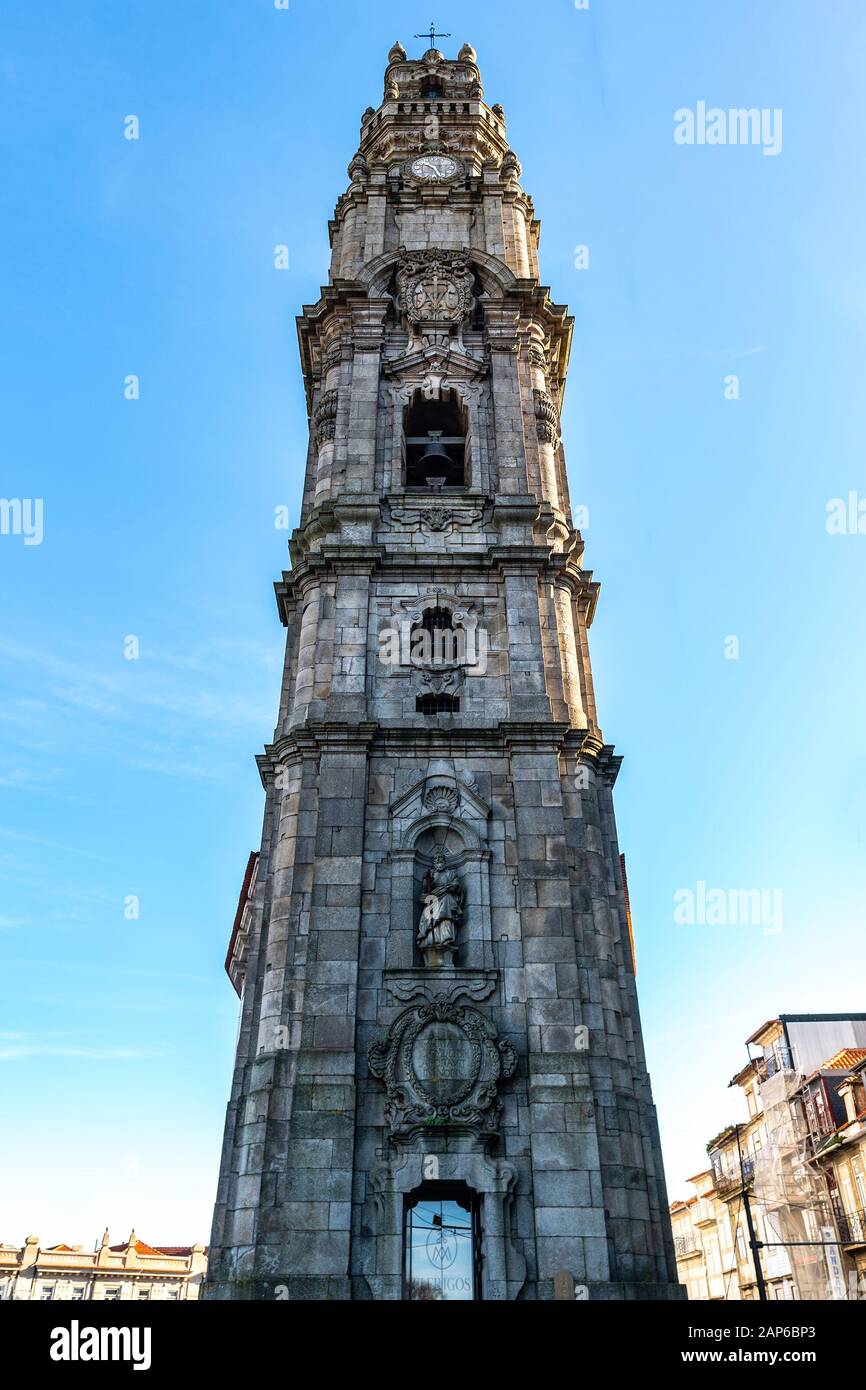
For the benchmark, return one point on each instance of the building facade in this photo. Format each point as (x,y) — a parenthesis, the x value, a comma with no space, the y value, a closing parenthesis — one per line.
(440,1089)
(831,1106)
(132,1271)
(797,1160)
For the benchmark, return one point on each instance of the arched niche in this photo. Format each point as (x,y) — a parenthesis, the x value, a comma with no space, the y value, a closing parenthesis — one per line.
(467,404)
(411,860)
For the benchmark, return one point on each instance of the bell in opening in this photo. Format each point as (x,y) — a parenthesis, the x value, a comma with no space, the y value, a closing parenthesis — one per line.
(435,443)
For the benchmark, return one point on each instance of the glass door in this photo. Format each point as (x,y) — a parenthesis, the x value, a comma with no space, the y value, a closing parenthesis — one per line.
(442,1245)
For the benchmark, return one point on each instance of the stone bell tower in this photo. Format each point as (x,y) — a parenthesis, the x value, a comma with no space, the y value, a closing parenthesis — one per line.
(440,1089)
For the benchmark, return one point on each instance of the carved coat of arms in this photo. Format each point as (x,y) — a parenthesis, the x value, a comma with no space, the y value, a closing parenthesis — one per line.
(435,287)
(442,1063)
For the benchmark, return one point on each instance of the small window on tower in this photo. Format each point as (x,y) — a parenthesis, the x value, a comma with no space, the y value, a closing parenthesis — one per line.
(437,704)
(433,91)
(436,645)
(434,641)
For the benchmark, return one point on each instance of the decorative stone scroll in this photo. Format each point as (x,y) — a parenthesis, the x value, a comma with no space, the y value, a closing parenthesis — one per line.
(426,982)
(442,680)
(442,1064)
(546,418)
(439,516)
(325,416)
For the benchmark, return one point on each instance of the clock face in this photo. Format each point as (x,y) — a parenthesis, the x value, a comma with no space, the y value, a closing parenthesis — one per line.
(434,168)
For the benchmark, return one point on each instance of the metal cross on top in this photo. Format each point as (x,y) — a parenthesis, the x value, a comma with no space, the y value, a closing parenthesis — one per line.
(432,36)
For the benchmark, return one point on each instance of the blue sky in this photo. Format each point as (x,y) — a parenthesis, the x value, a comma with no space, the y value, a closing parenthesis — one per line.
(706,521)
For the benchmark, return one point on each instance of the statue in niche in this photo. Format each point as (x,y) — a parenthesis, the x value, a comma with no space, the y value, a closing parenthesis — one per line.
(443,898)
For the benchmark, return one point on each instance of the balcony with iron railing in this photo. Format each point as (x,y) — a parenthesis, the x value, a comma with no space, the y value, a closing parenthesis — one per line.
(781,1059)
(816,1136)
(685,1247)
(735,1180)
(852,1227)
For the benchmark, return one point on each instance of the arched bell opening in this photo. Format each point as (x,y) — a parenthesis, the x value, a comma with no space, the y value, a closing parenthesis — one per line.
(436,444)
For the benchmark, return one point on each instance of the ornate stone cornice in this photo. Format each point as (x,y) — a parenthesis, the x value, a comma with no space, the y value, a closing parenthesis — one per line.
(455,983)
(483,742)
(591,750)
(531,735)
(350,512)
(315,566)
(308,740)
(361,324)
(351,558)
(502,327)
(424,741)
(512,309)
(455,362)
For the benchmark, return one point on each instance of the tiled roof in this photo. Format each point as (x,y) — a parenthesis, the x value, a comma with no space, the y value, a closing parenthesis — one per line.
(845,1059)
(141,1248)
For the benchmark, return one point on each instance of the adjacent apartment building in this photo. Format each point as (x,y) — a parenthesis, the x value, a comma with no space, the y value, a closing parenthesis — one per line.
(133,1270)
(795,1168)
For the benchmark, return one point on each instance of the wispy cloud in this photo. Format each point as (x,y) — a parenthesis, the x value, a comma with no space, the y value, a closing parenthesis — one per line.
(20,837)
(731,354)
(16,1051)
(172,712)
(93,968)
